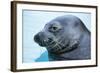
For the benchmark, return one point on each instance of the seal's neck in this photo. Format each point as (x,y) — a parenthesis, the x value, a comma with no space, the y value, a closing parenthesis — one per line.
(58,55)
(75,52)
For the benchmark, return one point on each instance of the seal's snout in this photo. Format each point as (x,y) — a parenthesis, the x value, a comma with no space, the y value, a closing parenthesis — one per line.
(42,39)
(36,38)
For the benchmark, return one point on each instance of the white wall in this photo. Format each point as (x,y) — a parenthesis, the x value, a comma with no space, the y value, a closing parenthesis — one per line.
(5,37)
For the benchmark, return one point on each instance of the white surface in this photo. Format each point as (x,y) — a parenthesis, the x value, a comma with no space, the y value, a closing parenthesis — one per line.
(5,39)
(21,65)
(85,2)
(31,50)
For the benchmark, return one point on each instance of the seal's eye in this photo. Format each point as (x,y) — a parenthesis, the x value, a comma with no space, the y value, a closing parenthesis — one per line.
(55,27)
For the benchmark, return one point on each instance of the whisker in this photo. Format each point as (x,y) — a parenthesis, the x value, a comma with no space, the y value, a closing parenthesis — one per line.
(56,43)
(60,43)
(58,46)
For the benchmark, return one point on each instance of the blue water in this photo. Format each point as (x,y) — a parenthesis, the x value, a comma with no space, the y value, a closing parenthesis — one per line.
(43,57)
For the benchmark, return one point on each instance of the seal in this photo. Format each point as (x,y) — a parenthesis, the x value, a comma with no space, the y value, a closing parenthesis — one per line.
(66,38)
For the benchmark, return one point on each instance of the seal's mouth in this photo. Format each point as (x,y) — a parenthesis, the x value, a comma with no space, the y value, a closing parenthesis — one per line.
(56,45)
(53,45)
(43,42)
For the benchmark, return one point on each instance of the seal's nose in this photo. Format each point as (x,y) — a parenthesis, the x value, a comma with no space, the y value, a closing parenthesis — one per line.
(42,37)
(37,38)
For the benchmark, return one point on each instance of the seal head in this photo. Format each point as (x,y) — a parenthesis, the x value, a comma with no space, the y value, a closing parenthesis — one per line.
(63,35)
